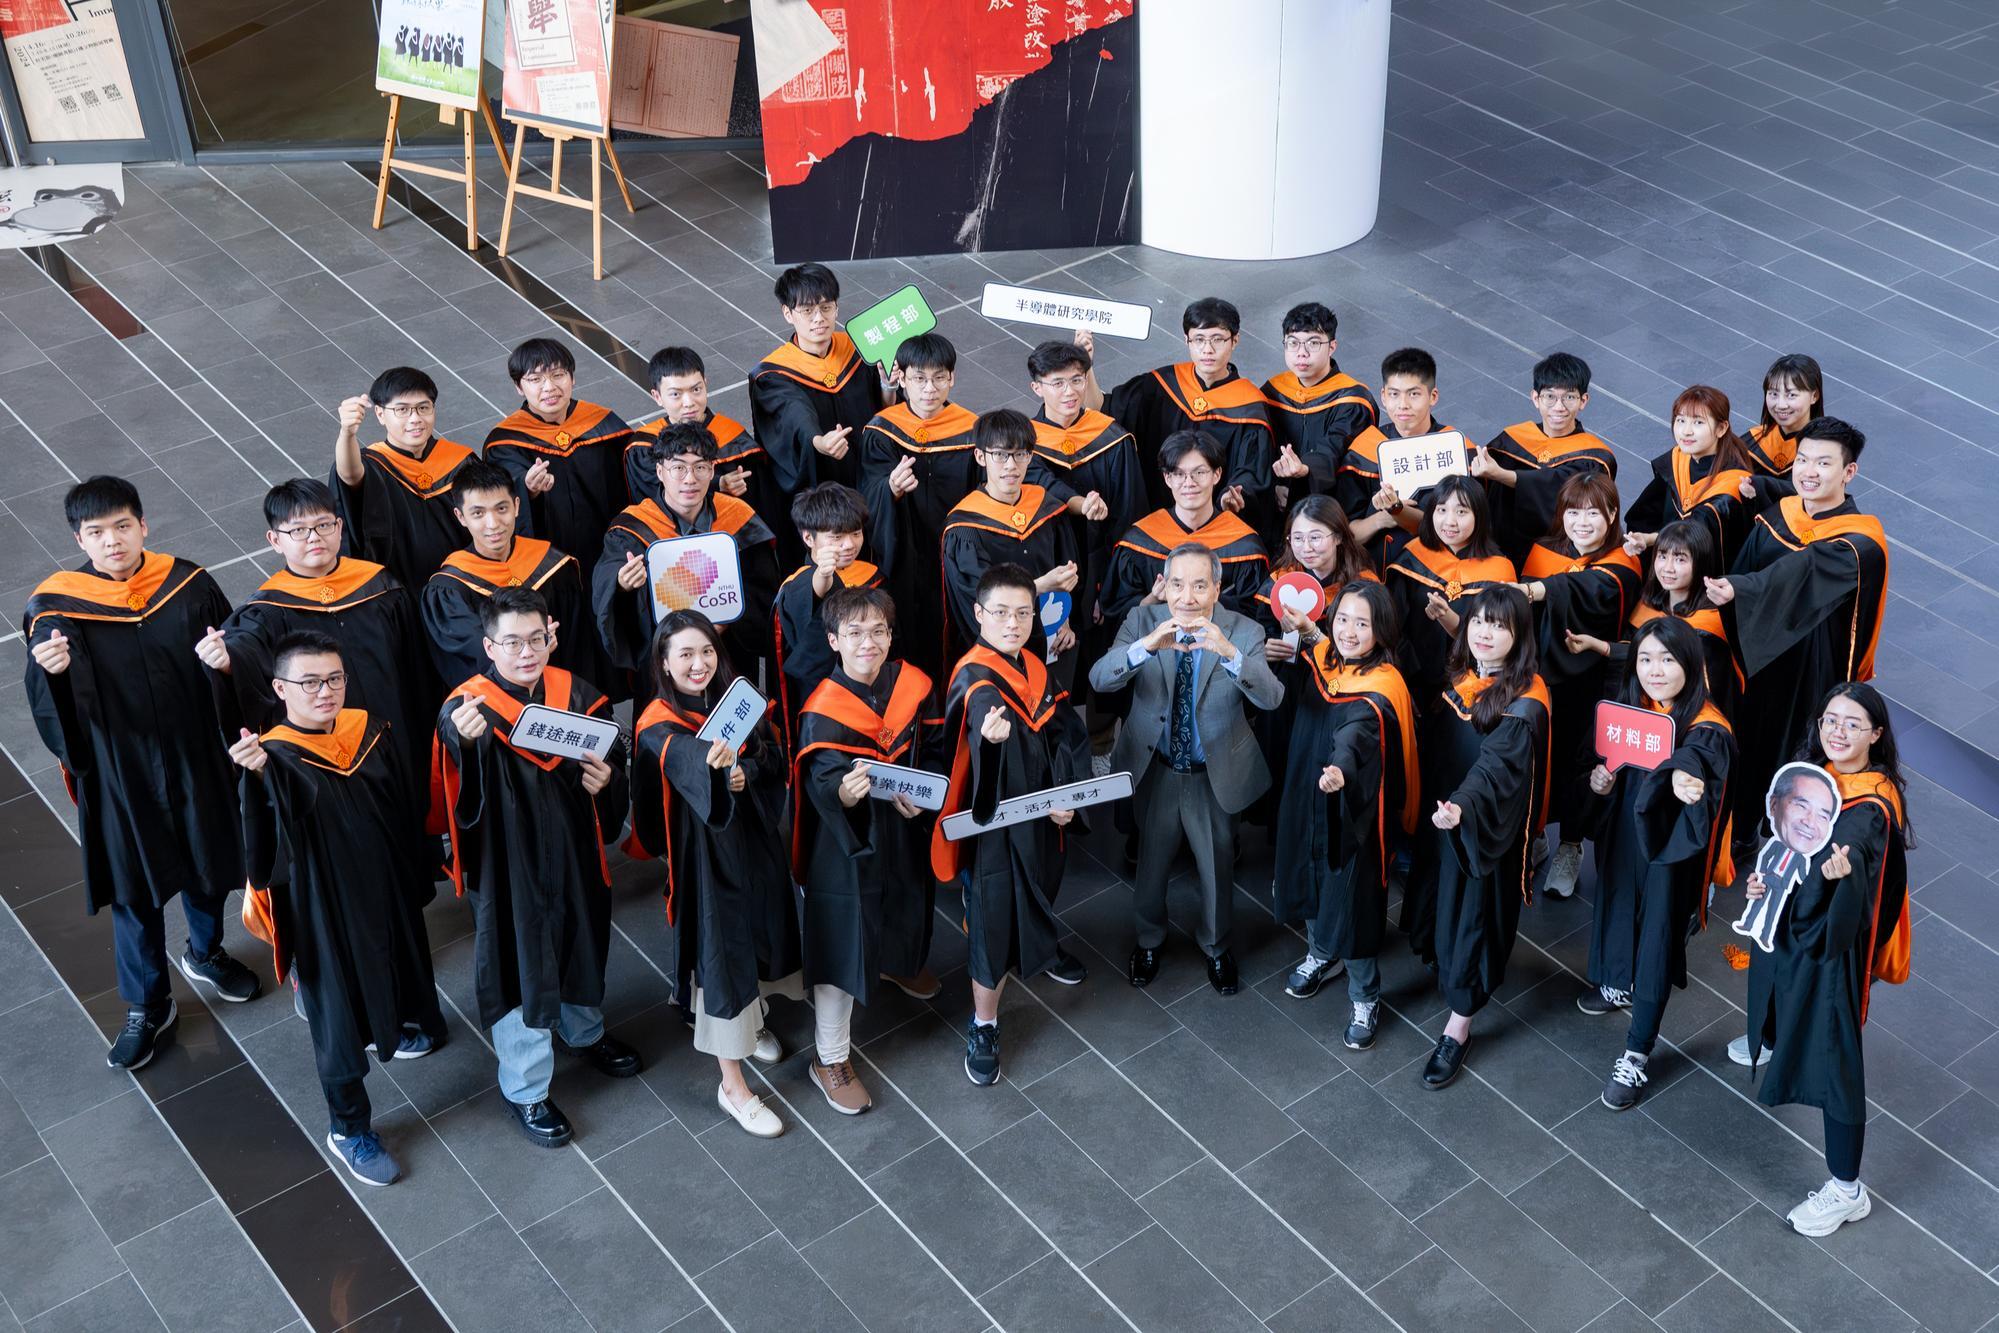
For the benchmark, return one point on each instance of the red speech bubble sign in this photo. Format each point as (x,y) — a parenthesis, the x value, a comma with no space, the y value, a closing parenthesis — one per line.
(1297,591)
(1628,737)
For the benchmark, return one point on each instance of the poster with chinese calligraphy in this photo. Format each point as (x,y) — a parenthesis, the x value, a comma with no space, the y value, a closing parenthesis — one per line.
(913,127)
(430,49)
(69,68)
(673,81)
(557,69)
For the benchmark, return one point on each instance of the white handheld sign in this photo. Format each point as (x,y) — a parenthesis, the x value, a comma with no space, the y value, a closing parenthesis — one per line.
(1034,805)
(733,719)
(1421,461)
(699,573)
(566,735)
(925,790)
(1026,305)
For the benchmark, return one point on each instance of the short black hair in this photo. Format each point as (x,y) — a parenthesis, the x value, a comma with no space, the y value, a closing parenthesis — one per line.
(806,284)
(100,497)
(673,361)
(539,354)
(511,601)
(1848,438)
(476,474)
(1561,370)
(927,351)
(1005,574)
(1412,361)
(1311,317)
(301,495)
(1211,312)
(844,604)
(304,643)
(829,507)
(1054,355)
(1005,430)
(1183,442)
(683,438)
(393,383)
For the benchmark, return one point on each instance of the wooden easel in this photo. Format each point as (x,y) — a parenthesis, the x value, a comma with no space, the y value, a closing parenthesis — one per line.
(451,115)
(600,146)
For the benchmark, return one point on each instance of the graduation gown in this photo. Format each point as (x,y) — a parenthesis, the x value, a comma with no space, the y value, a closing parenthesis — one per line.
(527,846)
(1809,593)
(1771,451)
(452,597)
(586,455)
(1154,405)
(798,638)
(1418,570)
(1032,532)
(795,396)
(1524,512)
(1358,478)
(400,515)
(374,619)
(1723,673)
(1698,489)
(906,534)
(1655,858)
(1274,727)
(1364,722)
(736,448)
(1140,558)
(869,897)
(1467,884)
(1012,875)
(730,910)
(1808,996)
(141,729)
(1585,595)
(338,876)
(1318,422)
(625,618)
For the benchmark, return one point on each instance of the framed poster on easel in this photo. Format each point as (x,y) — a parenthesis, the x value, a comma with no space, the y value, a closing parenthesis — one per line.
(556,80)
(431,50)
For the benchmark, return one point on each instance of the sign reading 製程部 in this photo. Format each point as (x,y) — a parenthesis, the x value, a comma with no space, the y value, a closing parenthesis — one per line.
(566,735)
(699,573)
(1062,310)
(887,325)
(1039,805)
(1421,461)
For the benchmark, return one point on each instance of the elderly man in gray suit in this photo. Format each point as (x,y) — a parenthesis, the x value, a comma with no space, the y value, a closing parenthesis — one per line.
(1188,746)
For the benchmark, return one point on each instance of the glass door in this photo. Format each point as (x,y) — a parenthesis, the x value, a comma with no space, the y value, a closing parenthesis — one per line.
(89,81)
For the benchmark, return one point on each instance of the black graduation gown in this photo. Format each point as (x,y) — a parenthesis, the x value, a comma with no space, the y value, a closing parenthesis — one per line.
(735,448)
(400,515)
(586,455)
(1140,558)
(1723,673)
(1809,594)
(1467,884)
(337,862)
(453,595)
(1014,873)
(1154,405)
(1590,596)
(140,728)
(1359,479)
(1419,570)
(1318,422)
(729,904)
(1655,858)
(1033,532)
(1338,845)
(374,619)
(527,847)
(1807,997)
(1094,453)
(1692,488)
(795,396)
(1524,512)
(798,637)
(869,897)
(1274,727)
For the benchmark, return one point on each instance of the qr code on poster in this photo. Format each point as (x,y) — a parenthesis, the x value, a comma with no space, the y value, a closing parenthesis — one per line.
(826,79)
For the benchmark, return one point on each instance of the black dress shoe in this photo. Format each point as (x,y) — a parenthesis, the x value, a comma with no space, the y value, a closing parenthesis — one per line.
(1221,972)
(1445,1062)
(543,1122)
(609,1056)
(1144,966)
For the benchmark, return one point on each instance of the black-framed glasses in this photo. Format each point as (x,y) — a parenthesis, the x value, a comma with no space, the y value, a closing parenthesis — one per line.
(326,527)
(514,643)
(318,684)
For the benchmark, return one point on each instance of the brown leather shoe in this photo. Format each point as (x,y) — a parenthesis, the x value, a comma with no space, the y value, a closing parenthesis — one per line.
(841,1087)
(923,986)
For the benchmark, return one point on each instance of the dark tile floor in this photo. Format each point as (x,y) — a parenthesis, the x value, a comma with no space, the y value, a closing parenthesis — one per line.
(1677,193)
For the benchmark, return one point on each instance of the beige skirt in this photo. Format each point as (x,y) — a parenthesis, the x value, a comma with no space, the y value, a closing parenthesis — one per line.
(734,1038)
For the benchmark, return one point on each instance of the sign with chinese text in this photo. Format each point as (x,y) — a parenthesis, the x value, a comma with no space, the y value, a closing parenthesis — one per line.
(68,59)
(699,573)
(566,735)
(557,69)
(1628,737)
(1025,305)
(1420,462)
(926,791)
(430,49)
(887,325)
(673,81)
(736,716)
(1037,805)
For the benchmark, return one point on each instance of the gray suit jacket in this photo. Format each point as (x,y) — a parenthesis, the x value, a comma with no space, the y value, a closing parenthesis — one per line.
(1236,769)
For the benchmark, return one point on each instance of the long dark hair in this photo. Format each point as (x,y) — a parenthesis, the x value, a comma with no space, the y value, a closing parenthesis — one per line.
(1480,546)
(1693,538)
(1882,756)
(1683,642)
(1506,605)
(1801,370)
(1348,558)
(1382,614)
(675,622)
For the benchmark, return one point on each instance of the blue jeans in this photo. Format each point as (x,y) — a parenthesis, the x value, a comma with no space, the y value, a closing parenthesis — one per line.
(527,1055)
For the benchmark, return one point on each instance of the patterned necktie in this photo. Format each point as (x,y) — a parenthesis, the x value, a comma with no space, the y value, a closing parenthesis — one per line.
(1182,744)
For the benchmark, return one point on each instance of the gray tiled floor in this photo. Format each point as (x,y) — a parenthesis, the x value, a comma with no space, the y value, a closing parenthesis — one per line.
(1679,193)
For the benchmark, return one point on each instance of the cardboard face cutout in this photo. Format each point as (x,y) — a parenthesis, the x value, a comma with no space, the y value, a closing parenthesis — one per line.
(1802,803)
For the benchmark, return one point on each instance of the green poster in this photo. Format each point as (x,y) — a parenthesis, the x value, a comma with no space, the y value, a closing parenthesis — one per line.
(886,325)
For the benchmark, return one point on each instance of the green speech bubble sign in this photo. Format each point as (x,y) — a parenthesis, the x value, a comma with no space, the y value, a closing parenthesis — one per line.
(886,325)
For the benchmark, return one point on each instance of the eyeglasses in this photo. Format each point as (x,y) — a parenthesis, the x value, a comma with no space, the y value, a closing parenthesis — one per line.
(1002,456)
(675,468)
(1067,384)
(1210,342)
(516,644)
(826,308)
(326,527)
(404,411)
(1845,726)
(1559,398)
(1300,537)
(1313,345)
(537,378)
(1200,476)
(855,634)
(318,684)
(1015,616)
(943,381)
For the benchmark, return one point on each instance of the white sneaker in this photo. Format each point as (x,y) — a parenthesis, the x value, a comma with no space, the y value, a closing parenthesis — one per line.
(1826,1210)
(752,1115)
(1738,1051)
(1567,868)
(768,1052)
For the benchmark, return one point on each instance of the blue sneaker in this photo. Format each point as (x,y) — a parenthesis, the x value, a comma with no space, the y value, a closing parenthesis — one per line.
(367,1160)
(414,1044)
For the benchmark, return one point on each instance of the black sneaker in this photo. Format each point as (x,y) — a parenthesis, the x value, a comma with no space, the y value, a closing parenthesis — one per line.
(232,981)
(1066,970)
(141,1037)
(1603,1000)
(1626,1083)
(1366,1019)
(1445,1062)
(1309,975)
(982,1062)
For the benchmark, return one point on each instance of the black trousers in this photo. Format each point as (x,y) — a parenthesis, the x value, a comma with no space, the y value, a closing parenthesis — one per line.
(1842,1149)
(140,937)
(1646,1015)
